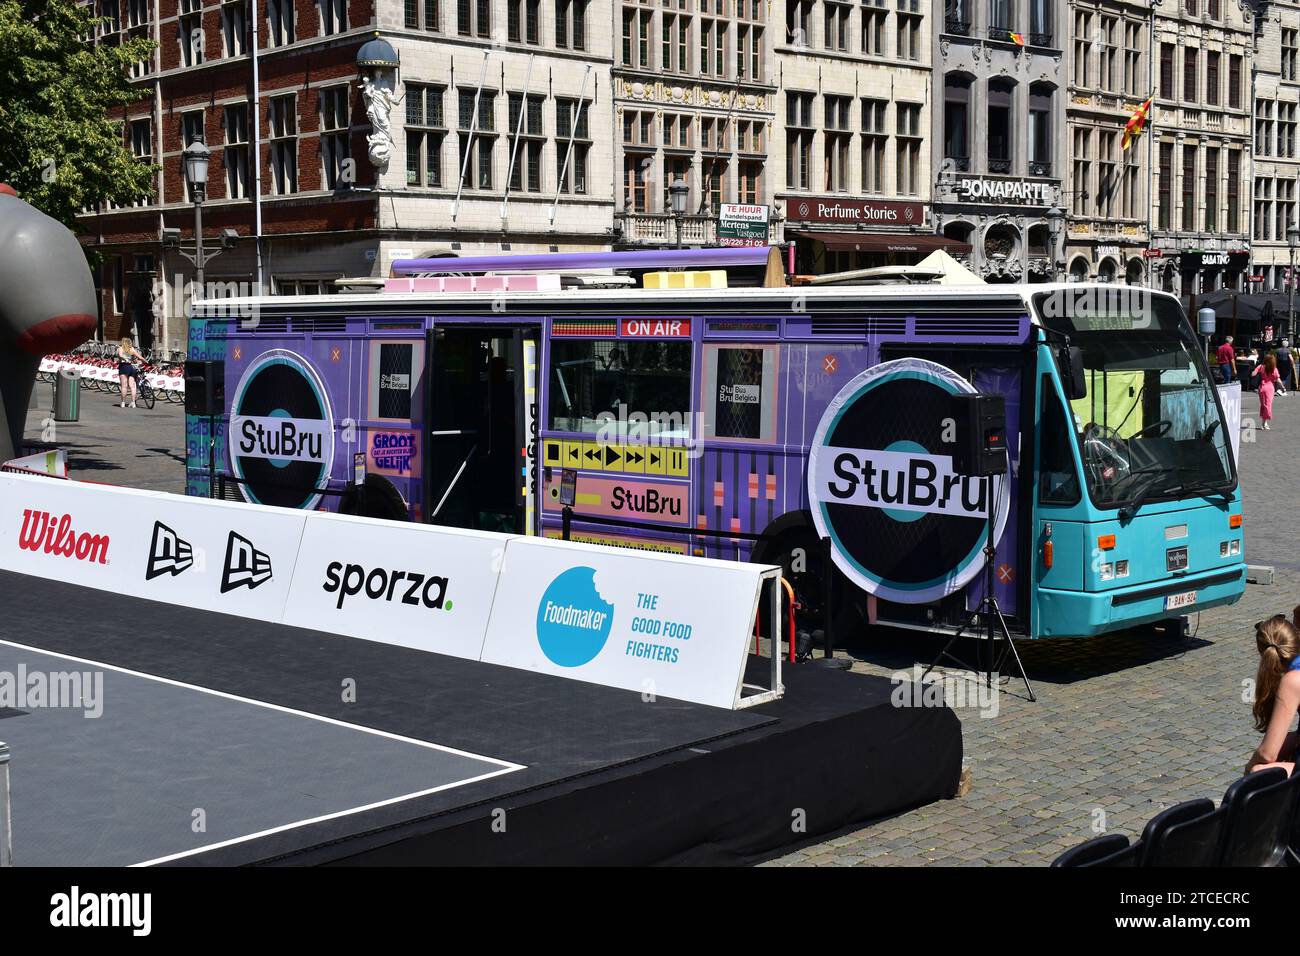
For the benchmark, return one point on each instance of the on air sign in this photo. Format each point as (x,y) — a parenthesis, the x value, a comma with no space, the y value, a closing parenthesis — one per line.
(655,328)
(903,525)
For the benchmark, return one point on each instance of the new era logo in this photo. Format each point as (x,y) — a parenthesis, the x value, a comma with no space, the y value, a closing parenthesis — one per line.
(245,565)
(169,553)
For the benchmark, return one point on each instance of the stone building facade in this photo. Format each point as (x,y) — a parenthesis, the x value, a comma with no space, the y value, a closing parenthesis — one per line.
(1276,160)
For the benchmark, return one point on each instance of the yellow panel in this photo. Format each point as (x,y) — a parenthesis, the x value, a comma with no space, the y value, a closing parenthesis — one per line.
(590,455)
(656,461)
(553,452)
(677,462)
(634,458)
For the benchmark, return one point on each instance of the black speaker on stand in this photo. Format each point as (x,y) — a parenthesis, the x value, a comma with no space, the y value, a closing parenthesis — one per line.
(981,452)
(205,396)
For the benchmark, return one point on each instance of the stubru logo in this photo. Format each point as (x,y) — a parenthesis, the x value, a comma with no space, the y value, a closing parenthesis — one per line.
(380,584)
(42,531)
(245,566)
(573,620)
(168,553)
(904,526)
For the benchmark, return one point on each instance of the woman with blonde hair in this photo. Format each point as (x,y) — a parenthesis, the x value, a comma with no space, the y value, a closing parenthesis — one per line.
(1277,693)
(127,371)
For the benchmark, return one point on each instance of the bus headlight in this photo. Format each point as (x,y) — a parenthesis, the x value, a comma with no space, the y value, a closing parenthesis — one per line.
(1121,568)
(1107,571)
(1235,547)
(1223,549)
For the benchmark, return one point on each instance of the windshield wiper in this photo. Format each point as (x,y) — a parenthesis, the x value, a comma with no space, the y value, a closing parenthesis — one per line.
(1202,487)
(1127,512)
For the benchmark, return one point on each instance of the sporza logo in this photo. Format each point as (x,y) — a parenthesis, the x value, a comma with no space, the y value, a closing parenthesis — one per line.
(42,531)
(168,554)
(383,585)
(245,566)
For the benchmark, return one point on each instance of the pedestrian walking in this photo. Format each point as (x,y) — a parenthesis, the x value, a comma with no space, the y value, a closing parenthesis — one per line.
(1266,371)
(1286,366)
(127,370)
(1227,358)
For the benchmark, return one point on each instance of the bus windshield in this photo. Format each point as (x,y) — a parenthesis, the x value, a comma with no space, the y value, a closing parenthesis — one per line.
(1150,425)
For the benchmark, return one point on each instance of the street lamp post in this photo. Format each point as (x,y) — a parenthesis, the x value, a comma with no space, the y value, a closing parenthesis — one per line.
(677,193)
(1292,240)
(196,157)
(1055,222)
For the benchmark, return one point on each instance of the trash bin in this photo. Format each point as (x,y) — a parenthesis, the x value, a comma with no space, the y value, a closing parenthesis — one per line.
(67,396)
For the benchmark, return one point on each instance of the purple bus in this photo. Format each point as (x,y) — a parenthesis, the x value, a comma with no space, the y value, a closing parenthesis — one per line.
(494,392)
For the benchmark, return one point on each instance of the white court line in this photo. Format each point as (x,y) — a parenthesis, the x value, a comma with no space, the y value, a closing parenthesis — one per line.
(505,766)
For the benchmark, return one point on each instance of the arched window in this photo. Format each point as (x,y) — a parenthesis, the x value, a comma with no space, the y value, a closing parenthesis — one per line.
(1001,96)
(1106,270)
(1079,269)
(956,120)
(1040,129)
(1133,274)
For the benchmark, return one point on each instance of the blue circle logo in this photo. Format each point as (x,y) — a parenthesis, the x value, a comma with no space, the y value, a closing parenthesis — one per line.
(573,620)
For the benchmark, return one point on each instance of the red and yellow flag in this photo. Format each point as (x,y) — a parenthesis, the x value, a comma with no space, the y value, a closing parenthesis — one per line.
(1018,39)
(1136,124)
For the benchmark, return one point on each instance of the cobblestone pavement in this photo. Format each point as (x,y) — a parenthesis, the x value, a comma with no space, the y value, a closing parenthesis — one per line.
(135,447)
(1124,726)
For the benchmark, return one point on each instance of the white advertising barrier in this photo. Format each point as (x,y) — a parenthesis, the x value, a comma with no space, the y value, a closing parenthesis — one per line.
(1230,397)
(412,585)
(664,624)
(219,556)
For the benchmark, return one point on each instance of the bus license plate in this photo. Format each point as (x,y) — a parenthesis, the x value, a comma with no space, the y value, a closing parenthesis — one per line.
(1185,599)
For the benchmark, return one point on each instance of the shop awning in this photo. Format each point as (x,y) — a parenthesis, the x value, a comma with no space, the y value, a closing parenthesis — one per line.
(881,242)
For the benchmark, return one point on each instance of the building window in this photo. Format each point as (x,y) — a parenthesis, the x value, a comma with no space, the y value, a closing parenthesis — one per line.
(1286,130)
(1107,176)
(1189,188)
(476,138)
(1135,80)
(1167,71)
(1212,78)
(636,36)
(235,154)
(282,118)
(279,17)
(1263,127)
(474,18)
(1002,17)
(142,148)
(1164,202)
(138,12)
(1041,30)
(1212,189)
(675,168)
(675,43)
(1290,49)
(1232,223)
(426,128)
(1040,130)
(527,145)
(431,18)
(636,180)
(1000,105)
(333,16)
(1083,164)
(875,140)
(798,22)
(523,21)
(715,178)
(677,130)
(838,140)
(956,121)
(907,32)
(234,28)
(335,119)
(1234,81)
(189,31)
(713,47)
(874,21)
(1083,49)
(571,126)
(1191,86)
(571,24)
(1108,54)
(836,23)
(713,134)
(799,134)
(749,52)
(749,182)
(908,148)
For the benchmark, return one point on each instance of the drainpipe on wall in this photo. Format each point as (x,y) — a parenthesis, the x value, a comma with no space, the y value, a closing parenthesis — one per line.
(256,121)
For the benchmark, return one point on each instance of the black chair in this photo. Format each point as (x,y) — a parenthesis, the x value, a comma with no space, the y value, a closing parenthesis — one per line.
(1183,835)
(1113,849)
(1260,808)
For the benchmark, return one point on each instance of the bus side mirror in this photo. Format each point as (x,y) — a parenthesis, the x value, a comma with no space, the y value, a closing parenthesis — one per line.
(1076,386)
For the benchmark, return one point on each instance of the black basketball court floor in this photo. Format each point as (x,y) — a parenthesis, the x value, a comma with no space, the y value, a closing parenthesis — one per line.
(216,740)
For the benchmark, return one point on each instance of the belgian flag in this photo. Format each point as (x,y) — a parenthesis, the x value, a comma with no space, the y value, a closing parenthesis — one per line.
(1136,124)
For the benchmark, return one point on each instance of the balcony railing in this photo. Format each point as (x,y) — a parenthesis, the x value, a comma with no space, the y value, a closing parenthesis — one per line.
(660,229)
(999,165)
(956,26)
(1040,168)
(959,164)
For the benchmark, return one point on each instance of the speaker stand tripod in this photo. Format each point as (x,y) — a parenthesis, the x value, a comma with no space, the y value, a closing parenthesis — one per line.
(990,613)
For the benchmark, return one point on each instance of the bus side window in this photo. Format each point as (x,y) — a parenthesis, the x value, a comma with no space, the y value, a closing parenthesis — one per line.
(738,392)
(1058,482)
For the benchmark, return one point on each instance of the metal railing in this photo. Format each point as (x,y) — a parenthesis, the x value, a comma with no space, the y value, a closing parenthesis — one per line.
(660,229)
(6,817)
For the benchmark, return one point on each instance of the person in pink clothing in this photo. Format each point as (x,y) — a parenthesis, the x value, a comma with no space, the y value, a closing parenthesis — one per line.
(1268,382)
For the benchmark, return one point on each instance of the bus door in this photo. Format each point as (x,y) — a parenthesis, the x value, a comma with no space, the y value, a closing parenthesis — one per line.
(479,426)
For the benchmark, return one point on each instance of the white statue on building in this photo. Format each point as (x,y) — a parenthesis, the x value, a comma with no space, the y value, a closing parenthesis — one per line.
(379,102)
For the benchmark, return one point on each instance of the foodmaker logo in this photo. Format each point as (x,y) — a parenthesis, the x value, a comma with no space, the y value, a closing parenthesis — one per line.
(42,531)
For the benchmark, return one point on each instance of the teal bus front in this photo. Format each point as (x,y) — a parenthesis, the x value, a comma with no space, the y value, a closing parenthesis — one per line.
(1138,513)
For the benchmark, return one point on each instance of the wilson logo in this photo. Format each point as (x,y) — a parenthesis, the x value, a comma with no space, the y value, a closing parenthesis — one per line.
(44,532)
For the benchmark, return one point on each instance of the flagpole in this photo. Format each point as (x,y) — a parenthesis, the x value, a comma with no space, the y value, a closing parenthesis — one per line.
(1151,150)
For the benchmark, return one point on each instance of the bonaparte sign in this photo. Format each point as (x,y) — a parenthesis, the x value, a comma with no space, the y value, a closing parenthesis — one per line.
(1022,192)
(903,525)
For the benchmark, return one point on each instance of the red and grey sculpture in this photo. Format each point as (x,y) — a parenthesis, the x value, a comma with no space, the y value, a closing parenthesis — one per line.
(47,304)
